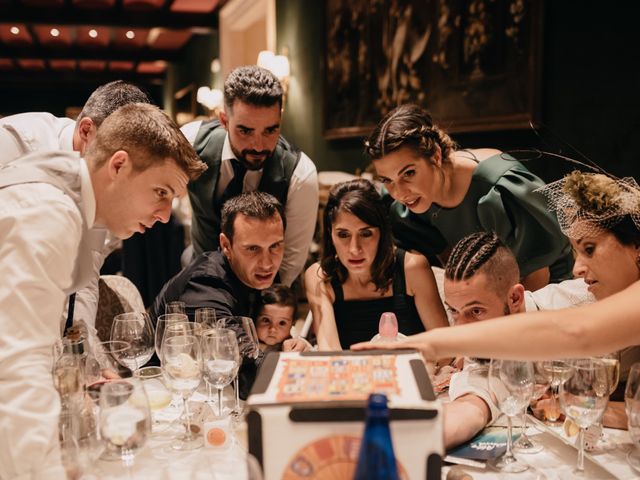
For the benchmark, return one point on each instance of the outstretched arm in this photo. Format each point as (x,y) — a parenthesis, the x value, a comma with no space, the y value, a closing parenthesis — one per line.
(599,328)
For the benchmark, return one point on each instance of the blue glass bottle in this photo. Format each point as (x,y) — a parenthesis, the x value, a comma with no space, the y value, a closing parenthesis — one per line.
(376,460)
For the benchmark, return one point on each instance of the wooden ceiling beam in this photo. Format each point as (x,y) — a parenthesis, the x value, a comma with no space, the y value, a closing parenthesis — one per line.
(69,15)
(78,53)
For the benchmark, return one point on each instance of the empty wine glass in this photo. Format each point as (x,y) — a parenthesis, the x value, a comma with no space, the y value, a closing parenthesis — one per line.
(511,384)
(611,363)
(125,420)
(632,407)
(161,324)
(134,328)
(182,373)
(525,444)
(221,359)
(584,397)
(206,316)
(175,307)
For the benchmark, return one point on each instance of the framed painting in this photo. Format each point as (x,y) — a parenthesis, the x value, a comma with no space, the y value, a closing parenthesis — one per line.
(474,64)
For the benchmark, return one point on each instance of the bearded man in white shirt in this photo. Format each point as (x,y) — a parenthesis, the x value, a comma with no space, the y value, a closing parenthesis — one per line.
(482,281)
(29,132)
(49,202)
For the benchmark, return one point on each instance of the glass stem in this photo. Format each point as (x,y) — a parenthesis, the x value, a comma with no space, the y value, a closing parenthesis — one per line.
(580,466)
(209,392)
(524,423)
(187,436)
(237,392)
(219,402)
(509,453)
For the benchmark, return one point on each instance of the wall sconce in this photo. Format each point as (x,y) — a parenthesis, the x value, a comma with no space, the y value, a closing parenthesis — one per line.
(276,64)
(210,98)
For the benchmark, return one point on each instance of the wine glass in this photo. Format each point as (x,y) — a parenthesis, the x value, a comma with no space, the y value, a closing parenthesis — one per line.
(182,373)
(221,359)
(584,397)
(248,344)
(206,316)
(525,444)
(632,407)
(175,307)
(107,365)
(158,394)
(556,372)
(161,324)
(125,420)
(511,384)
(134,328)
(611,363)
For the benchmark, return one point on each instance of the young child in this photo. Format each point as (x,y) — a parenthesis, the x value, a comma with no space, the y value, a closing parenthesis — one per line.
(276,310)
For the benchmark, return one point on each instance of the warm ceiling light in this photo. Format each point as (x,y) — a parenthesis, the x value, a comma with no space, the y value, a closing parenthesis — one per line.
(54,32)
(93,33)
(130,34)
(14,30)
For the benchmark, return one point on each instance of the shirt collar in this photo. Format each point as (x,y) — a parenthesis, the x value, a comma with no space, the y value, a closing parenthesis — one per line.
(87,195)
(529,302)
(65,137)
(227,153)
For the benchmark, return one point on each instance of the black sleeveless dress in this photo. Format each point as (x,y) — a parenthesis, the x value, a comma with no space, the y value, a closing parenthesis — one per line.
(357,320)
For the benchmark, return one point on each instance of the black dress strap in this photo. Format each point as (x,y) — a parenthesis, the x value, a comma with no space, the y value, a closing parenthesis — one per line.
(337,290)
(399,282)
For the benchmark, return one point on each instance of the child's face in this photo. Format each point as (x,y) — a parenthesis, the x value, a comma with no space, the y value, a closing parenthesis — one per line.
(274,323)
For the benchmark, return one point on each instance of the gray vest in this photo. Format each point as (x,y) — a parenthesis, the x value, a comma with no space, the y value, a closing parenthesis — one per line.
(62,170)
(276,177)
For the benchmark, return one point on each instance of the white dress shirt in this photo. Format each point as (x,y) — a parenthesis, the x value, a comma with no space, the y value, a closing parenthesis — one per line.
(39,131)
(40,231)
(473,377)
(301,210)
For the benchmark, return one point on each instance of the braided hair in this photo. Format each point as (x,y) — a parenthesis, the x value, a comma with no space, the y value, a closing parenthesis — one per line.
(483,250)
(409,126)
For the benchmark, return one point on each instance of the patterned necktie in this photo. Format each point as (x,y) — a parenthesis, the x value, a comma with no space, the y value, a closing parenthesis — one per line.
(234,187)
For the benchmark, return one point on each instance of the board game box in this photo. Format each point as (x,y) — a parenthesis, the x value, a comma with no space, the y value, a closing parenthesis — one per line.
(307,411)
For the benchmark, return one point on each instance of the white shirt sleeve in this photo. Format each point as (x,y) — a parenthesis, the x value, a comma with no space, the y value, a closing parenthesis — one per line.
(555,296)
(40,230)
(301,211)
(473,379)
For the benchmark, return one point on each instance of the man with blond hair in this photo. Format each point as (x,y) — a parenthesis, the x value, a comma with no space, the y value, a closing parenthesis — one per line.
(49,202)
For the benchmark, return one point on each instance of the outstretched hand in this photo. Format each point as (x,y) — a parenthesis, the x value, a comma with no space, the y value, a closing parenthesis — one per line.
(413,342)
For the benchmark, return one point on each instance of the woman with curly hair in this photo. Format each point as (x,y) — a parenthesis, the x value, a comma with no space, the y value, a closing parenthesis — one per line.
(362,275)
(443,194)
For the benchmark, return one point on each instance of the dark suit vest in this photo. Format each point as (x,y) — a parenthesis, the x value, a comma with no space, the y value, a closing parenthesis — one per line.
(276,177)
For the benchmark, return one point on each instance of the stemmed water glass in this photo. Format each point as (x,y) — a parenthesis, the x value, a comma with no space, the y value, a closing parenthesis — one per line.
(175,307)
(555,372)
(206,316)
(158,395)
(584,397)
(511,384)
(632,407)
(161,325)
(525,444)
(134,328)
(182,372)
(611,363)
(221,359)
(249,347)
(124,419)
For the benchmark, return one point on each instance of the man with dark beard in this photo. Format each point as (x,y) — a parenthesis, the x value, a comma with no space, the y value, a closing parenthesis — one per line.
(245,152)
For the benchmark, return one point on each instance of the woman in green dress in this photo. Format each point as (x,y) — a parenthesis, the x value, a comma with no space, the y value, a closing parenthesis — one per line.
(443,194)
